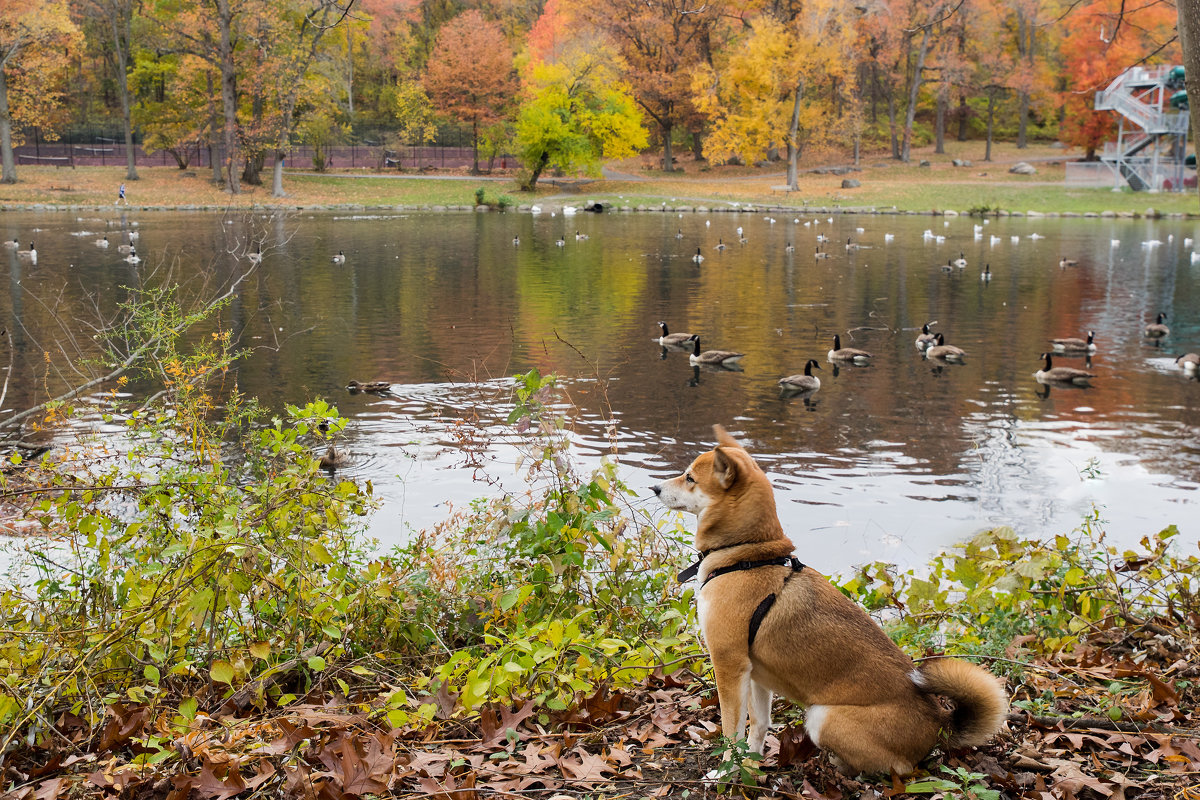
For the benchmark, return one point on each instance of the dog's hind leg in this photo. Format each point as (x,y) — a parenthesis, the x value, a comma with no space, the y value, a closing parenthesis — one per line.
(760,716)
(866,738)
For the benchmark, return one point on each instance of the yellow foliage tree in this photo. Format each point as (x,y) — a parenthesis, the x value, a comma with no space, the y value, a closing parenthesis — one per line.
(35,37)
(779,84)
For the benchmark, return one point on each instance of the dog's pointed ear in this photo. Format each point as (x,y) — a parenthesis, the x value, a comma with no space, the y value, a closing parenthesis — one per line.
(724,439)
(724,468)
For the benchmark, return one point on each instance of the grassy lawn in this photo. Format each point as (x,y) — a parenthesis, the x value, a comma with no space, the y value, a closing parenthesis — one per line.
(885,184)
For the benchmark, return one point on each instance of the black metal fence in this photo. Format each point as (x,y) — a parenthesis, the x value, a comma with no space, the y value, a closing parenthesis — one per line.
(95,149)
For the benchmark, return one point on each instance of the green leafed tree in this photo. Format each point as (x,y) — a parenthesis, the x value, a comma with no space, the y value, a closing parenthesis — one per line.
(576,112)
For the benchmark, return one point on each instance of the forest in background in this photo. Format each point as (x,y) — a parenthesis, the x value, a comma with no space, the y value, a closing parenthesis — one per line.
(565,83)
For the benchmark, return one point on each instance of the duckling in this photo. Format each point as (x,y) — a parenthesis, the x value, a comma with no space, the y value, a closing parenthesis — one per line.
(698,258)
(986,275)
(516,241)
(1156,329)
(371,387)
(1063,263)
(802,383)
(946,352)
(333,459)
(101,242)
(133,257)
(790,248)
(926,339)
(1052,374)
(839,353)
(673,339)
(256,256)
(718,358)
(961,261)
(1075,345)
(679,233)
(340,258)
(1189,362)
(720,244)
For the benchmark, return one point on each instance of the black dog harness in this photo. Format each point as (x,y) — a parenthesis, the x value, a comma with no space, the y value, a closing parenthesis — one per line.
(760,612)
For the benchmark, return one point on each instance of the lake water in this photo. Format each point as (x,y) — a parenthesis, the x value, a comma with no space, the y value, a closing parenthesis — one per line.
(889,461)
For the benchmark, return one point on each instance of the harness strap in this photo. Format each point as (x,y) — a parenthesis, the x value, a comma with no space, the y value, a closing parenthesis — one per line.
(694,568)
(781,561)
(757,617)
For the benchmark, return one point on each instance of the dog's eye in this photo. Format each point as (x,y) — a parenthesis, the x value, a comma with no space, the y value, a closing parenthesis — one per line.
(689,478)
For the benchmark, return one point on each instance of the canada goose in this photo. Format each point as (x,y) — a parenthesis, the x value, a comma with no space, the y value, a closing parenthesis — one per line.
(742,239)
(580,237)
(673,339)
(560,242)
(124,248)
(13,245)
(102,242)
(720,358)
(888,237)
(802,383)
(133,236)
(850,245)
(961,261)
(739,230)
(698,258)
(1075,345)
(947,267)
(790,248)
(720,244)
(133,257)
(946,352)
(1189,362)
(333,459)
(986,275)
(374,387)
(819,254)
(839,353)
(340,258)
(1156,329)
(256,256)
(1052,374)
(516,240)
(1063,263)
(31,253)
(822,238)
(679,233)
(926,339)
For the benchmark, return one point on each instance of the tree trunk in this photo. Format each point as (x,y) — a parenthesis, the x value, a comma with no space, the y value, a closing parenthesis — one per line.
(964,113)
(8,174)
(1189,37)
(793,142)
(987,153)
(918,69)
(277,175)
(121,37)
(531,184)
(940,125)
(228,94)
(474,147)
(697,146)
(252,171)
(668,155)
(891,98)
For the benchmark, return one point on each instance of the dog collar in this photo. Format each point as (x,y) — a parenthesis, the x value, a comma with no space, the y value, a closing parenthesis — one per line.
(780,561)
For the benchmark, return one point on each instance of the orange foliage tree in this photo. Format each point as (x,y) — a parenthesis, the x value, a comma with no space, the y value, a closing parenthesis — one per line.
(34,36)
(470,73)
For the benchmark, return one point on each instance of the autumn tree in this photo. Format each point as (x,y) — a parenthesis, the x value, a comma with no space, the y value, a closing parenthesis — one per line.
(575,112)
(116,17)
(778,83)
(175,107)
(1189,35)
(470,74)
(661,42)
(34,36)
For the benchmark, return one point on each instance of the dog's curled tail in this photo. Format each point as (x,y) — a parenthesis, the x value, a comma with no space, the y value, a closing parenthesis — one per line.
(980,702)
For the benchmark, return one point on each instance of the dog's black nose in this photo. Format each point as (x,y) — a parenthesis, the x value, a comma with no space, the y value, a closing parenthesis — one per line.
(656,488)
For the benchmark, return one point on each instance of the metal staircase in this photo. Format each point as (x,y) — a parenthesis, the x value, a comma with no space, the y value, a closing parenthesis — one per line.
(1150,151)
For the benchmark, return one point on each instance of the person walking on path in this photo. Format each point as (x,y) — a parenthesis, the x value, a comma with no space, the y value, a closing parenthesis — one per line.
(121,195)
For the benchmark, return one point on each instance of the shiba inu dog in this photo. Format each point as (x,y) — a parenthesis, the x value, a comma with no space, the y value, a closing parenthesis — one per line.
(774,625)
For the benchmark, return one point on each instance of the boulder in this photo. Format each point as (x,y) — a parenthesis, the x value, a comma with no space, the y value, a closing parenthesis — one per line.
(850,183)
(1022,168)
(924,164)
(961,162)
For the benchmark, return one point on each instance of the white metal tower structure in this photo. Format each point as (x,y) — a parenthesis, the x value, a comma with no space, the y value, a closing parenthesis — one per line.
(1151,141)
